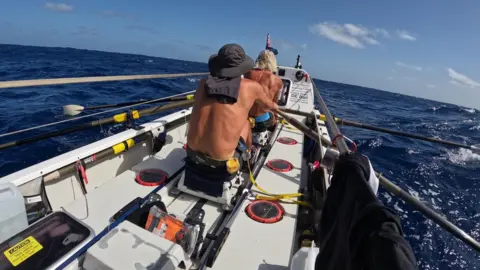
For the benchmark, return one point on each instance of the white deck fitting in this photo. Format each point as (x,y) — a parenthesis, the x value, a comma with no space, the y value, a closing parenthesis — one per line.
(106,200)
(254,245)
(131,247)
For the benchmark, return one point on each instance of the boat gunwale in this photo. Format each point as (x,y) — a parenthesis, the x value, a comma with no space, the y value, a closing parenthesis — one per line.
(45,167)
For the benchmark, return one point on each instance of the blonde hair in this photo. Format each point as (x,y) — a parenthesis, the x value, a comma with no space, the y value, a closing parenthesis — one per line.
(266,60)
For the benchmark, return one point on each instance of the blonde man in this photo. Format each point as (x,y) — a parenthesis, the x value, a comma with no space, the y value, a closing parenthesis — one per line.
(263,73)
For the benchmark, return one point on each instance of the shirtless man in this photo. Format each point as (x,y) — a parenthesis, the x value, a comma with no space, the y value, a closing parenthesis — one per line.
(265,65)
(219,118)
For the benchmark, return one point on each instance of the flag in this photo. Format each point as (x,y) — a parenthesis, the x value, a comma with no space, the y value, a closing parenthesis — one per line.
(269,47)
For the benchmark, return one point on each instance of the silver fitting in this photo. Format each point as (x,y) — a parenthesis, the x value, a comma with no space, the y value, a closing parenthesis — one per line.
(329,159)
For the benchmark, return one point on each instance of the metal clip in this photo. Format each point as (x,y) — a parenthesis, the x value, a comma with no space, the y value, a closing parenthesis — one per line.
(330,158)
(314,165)
(130,123)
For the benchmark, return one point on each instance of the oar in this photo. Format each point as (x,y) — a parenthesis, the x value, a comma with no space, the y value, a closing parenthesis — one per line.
(396,190)
(118,118)
(475,148)
(73,109)
(303,128)
(40,82)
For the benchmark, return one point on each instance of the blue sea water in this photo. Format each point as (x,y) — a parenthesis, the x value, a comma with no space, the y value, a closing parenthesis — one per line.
(445,178)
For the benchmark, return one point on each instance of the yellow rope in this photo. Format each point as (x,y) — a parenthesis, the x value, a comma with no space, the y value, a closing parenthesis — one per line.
(288,197)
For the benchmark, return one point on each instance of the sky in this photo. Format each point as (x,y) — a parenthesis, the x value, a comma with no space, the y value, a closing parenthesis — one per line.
(427,48)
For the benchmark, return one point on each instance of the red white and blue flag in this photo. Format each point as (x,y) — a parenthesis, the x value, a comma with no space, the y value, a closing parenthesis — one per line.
(269,47)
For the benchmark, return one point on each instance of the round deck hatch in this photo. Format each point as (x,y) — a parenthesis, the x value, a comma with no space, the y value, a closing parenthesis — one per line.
(287,140)
(264,211)
(151,177)
(279,165)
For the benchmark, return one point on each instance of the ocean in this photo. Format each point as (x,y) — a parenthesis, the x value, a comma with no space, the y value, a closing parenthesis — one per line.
(446,179)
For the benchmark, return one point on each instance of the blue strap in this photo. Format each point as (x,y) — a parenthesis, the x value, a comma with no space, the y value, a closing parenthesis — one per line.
(262,118)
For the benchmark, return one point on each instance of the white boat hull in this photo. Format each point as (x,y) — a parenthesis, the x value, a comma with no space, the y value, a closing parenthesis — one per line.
(111,186)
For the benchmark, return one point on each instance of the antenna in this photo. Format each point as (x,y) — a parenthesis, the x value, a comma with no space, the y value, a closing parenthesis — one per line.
(298,64)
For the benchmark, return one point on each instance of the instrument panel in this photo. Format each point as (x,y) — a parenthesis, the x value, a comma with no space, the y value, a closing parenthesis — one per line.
(297,90)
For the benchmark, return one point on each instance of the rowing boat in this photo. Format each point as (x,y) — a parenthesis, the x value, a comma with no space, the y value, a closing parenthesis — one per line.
(113,204)
(94,183)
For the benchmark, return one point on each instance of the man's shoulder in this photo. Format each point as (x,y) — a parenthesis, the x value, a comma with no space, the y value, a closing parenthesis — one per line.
(252,87)
(276,80)
(249,83)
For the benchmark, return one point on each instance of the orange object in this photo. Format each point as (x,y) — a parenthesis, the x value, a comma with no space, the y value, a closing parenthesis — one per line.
(166,226)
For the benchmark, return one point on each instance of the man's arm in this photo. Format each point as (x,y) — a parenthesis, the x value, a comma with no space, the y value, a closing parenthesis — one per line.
(201,85)
(263,99)
(277,85)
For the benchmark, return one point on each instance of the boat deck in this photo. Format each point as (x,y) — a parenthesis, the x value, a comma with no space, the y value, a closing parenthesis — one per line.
(253,245)
(248,238)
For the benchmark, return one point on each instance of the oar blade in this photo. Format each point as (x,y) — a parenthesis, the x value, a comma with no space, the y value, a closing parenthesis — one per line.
(72,109)
(475,148)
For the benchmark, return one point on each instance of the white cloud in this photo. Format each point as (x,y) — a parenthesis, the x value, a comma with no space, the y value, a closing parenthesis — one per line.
(461,79)
(356,30)
(60,7)
(389,78)
(338,33)
(355,35)
(403,34)
(303,46)
(417,68)
(410,78)
(382,32)
(430,85)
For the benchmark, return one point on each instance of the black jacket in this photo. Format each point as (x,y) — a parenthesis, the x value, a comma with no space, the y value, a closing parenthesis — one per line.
(356,230)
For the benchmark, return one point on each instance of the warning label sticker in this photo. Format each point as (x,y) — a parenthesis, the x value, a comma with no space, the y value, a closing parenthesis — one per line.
(23,250)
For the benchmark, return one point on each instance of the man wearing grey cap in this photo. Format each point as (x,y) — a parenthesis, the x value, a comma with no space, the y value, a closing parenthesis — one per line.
(219,130)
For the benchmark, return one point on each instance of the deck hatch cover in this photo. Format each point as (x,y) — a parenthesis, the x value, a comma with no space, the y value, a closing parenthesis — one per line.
(287,140)
(279,165)
(264,211)
(151,177)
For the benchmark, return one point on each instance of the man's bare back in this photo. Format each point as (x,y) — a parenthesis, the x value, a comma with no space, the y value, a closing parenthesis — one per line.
(215,128)
(272,85)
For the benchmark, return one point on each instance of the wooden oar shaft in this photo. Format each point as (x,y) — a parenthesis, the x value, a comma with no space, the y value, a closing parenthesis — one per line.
(42,82)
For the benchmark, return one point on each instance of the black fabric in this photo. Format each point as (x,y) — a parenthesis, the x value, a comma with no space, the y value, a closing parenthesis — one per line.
(207,175)
(226,69)
(226,90)
(356,230)
(206,179)
(203,159)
